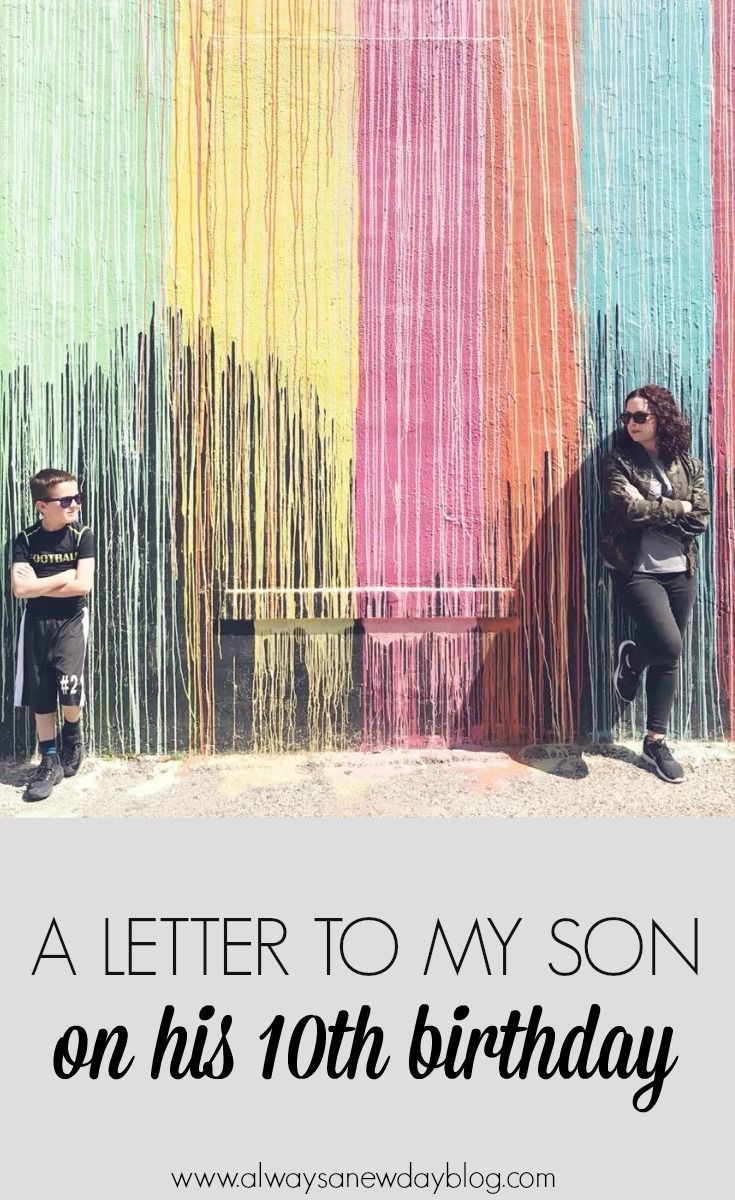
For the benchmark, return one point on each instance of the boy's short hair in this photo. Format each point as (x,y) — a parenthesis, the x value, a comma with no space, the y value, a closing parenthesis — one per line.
(48,478)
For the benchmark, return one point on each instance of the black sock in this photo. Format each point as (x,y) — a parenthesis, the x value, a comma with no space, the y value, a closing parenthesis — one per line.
(71,727)
(48,747)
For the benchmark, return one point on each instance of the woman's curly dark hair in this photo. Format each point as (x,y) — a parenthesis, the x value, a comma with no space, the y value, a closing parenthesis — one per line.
(673,431)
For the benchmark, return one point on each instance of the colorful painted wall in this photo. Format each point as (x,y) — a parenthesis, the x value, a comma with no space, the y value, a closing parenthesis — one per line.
(333,304)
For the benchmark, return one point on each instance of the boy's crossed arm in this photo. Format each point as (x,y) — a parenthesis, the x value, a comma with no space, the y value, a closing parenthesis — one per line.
(26,584)
(81,580)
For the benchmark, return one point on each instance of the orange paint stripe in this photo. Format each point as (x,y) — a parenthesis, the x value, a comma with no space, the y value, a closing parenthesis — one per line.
(535,478)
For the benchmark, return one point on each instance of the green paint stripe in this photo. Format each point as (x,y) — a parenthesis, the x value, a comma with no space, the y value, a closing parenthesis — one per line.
(84,110)
(84,128)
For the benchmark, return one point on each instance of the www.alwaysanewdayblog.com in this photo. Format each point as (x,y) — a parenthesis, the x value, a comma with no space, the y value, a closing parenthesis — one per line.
(450,1177)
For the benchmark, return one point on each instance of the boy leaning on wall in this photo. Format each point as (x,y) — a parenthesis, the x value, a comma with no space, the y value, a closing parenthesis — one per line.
(53,571)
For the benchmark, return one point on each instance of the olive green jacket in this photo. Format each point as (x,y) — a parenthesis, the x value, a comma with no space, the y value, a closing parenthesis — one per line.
(627,510)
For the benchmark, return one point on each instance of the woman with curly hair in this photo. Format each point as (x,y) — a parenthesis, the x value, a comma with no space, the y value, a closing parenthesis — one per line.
(655,507)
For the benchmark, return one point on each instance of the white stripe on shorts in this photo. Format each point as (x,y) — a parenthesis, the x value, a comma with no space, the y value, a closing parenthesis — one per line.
(19,663)
(85,627)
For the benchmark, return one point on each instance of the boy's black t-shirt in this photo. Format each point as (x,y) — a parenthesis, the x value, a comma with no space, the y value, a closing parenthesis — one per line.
(49,553)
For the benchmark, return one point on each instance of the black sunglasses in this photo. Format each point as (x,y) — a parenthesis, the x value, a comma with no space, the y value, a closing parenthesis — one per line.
(64,501)
(640,418)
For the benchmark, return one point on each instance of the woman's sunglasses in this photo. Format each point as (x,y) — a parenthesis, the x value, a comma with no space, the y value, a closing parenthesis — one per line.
(640,418)
(64,501)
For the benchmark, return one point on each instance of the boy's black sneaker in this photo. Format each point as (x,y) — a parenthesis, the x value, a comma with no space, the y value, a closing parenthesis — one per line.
(72,753)
(48,773)
(657,752)
(625,679)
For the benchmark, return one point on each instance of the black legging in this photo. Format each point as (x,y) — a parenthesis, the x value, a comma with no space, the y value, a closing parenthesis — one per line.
(659,607)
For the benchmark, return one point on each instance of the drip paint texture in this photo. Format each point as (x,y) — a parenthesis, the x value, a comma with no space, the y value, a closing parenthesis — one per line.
(645,286)
(722,385)
(333,305)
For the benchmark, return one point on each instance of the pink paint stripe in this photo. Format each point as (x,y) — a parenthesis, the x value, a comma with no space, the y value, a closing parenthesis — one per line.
(423,688)
(403,627)
(723,350)
(420,470)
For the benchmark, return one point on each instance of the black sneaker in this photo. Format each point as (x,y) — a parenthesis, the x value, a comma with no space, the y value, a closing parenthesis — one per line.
(657,752)
(625,679)
(72,753)
(42,783)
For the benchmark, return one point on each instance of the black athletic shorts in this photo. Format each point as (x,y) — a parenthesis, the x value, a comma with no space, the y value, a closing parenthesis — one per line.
(50,662)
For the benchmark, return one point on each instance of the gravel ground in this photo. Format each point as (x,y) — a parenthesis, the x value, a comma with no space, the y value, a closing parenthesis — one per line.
(534,781)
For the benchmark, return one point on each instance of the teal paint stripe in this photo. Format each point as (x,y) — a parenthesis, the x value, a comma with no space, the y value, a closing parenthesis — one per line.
(645,283)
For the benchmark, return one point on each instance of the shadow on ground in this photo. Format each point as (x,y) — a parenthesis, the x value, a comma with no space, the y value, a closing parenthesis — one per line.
(567,762)
(15,775)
